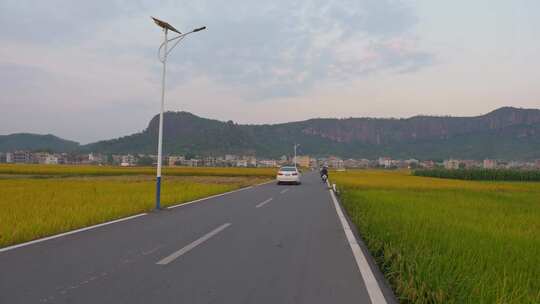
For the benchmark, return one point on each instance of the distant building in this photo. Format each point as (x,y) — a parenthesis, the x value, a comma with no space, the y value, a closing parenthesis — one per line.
(242,163)
(385,162)
(537,164)
(335,162)
(230,157)
(128,160)
(51,159)
(471,164)
(412,163)
(303,160)
(451,164)
(251,160)
(269,163)
(44,158)
(9,157)
(95,158)
(192,162)
(490,164)
(62,158)
(175,160)
(210,161)
(427,164)
(22,157)
(39,157)
(356,163)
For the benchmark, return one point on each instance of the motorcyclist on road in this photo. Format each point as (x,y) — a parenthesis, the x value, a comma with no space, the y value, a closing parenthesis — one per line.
(324,171)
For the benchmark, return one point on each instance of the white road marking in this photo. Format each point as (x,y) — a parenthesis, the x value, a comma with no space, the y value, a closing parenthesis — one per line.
(268,182)
(70,232)
(209,197)
(284,190)
(259,205)
(194,244)
(372,286)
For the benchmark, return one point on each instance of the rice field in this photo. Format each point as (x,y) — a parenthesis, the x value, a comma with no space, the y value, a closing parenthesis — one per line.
(448,241)
(38,201)
(86,170)
(482,174)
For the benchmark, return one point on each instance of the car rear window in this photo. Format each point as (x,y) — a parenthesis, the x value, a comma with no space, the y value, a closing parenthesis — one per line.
(288,169)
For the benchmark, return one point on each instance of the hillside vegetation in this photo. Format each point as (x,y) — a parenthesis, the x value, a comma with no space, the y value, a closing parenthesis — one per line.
(33,142)
(506,133)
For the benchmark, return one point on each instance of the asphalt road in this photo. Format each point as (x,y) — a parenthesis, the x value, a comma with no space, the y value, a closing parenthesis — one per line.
(266,244)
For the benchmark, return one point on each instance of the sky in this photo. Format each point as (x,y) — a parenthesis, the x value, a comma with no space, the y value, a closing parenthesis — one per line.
(88,70)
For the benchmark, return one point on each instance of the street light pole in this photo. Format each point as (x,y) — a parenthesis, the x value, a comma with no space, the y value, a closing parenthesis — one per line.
(165,47)
(295,146)
(160,136)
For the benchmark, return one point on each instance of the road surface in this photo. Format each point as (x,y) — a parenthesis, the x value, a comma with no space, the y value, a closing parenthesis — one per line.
(266,244)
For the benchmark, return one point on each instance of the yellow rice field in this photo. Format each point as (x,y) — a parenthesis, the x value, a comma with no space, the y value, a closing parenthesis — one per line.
(86,170)
(448,241)
(38,201)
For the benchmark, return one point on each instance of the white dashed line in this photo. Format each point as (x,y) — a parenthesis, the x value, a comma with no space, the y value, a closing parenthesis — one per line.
(259,205)
(189,247)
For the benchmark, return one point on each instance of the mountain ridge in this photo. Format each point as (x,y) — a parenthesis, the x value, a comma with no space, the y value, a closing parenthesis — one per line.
(33,142)
(425,137)
(504,133)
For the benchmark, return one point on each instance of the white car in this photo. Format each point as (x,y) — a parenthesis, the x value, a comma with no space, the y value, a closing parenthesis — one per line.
(288,175)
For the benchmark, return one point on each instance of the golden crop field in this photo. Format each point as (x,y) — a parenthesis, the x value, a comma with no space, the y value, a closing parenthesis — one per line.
(87,170)
(448,241)
(38,201)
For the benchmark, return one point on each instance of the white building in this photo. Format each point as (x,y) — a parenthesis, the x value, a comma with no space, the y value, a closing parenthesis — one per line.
(230,157)
(451,164)
(9,157)
(174,160)
(242,163)
(51,159)
(95,158)
(490,164)
(128,160)
(268,163)
(385,162)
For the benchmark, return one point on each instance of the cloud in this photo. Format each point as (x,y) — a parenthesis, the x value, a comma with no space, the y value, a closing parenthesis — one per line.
(285,48)
(248,44)
(83,57)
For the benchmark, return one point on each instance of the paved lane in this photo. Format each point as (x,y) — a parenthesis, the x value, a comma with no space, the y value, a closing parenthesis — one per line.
(267,244)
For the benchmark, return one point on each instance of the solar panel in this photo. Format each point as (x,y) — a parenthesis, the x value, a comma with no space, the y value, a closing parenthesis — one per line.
(165,25)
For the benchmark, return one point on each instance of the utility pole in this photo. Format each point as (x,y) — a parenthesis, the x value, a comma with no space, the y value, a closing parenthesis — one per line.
(163,58)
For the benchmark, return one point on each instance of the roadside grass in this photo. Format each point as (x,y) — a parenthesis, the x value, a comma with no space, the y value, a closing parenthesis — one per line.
(32,208)
(448,241)
(87,170)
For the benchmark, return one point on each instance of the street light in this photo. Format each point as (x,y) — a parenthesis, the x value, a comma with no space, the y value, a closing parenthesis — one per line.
(162,55)
(295,146)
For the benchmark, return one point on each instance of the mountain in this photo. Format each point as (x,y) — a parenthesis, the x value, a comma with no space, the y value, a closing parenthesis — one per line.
(34,142)
(506,133)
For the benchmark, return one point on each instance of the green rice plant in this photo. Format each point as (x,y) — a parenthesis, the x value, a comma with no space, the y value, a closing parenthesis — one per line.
(448,241)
